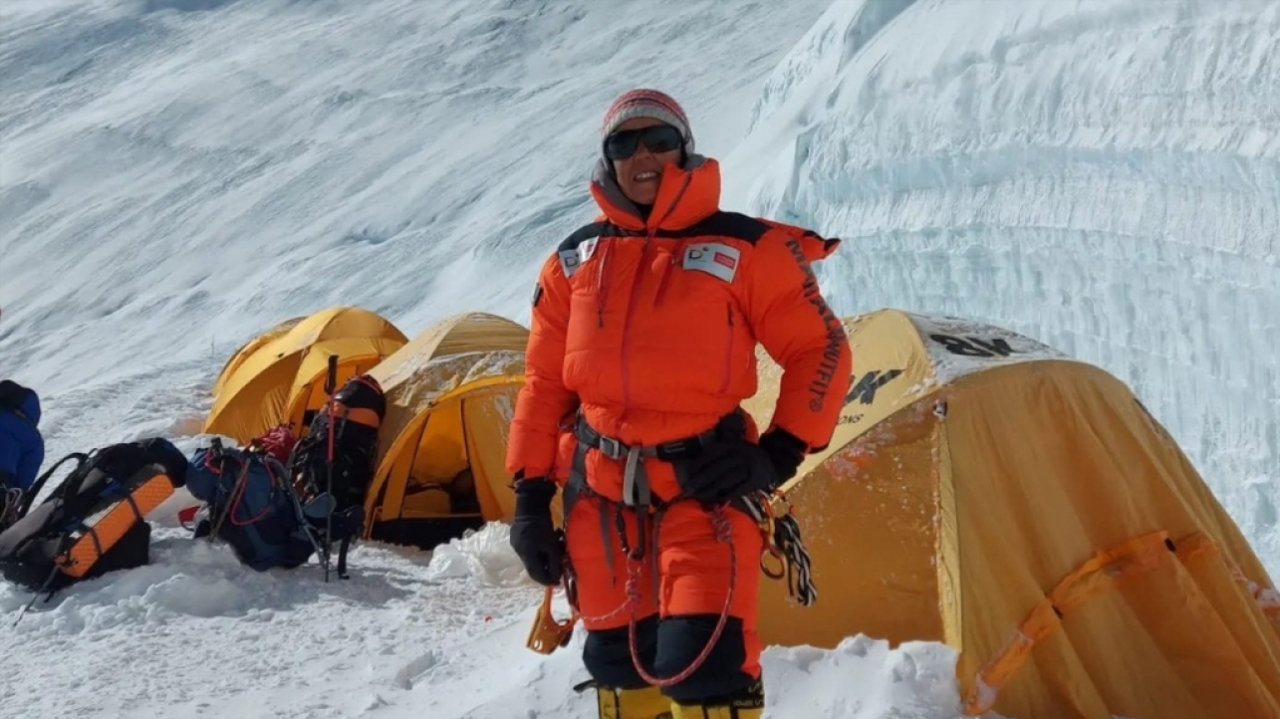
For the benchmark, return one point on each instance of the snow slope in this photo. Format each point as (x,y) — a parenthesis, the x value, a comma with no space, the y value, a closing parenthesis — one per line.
(1103,176)
(176,175)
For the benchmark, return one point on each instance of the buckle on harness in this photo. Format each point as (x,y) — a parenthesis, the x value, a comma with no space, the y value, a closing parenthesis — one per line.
(611,447)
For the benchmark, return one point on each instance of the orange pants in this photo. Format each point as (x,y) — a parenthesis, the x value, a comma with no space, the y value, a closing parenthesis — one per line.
(677,611)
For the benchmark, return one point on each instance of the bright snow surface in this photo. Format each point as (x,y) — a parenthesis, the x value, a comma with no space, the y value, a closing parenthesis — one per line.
(177,175)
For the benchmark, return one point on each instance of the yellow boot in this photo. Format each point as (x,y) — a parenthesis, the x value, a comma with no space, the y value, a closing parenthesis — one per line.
(646,703)
(719,711)
(750,705)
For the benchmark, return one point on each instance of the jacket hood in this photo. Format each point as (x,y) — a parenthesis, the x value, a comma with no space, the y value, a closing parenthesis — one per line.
(689,192)
(31,406)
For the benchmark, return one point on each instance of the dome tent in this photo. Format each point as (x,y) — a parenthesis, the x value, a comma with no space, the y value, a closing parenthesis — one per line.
(985,491)
(278,378)
(451,393)
(247,350)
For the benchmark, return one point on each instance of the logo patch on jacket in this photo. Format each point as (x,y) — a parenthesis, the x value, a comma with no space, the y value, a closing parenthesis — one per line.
(571,260)
(716,259)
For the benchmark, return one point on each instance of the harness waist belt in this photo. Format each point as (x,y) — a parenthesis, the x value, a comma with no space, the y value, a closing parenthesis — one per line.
(635,482)
(617,449)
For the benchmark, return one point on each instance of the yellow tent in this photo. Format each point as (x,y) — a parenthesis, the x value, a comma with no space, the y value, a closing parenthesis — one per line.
(280,379)
(450,393)
(247,349)
(984,491)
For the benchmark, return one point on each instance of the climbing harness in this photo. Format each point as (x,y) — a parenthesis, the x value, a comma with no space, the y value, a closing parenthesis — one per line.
(780,530)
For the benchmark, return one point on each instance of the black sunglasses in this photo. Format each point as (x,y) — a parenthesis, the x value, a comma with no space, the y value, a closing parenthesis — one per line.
(658,138)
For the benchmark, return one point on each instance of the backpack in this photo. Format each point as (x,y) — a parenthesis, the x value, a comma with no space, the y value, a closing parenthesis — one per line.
(358,408)
(251,507)
(94,521)
(351,433)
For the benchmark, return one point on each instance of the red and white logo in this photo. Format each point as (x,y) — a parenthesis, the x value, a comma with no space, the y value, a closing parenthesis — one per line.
(714,258)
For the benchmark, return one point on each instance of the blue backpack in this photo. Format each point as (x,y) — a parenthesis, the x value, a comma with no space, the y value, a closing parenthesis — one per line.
(251,507)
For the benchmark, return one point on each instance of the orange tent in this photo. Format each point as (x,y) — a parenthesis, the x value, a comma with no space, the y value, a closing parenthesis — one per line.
(985,491)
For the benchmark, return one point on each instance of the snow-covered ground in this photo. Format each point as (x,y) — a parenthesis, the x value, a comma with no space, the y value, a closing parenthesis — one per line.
(406,637)
(177,175)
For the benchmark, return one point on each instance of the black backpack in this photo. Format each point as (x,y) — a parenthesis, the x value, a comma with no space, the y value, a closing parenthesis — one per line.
(358,410)
(93,522)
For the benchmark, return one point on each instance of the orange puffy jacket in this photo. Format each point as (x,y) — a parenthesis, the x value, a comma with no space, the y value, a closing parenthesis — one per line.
(650,329)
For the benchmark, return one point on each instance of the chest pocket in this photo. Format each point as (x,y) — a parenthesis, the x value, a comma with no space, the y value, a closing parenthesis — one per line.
(709,321)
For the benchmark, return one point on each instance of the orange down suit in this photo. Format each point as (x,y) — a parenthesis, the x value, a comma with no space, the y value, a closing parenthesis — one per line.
(646,330)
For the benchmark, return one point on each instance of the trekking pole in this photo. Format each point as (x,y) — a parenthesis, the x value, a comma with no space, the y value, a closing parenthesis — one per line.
(330,384)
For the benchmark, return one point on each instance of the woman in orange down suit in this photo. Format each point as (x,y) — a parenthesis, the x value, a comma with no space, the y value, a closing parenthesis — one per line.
(644,329)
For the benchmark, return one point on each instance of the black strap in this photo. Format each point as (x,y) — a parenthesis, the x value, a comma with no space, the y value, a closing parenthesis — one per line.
(71,487)
(683,448)
(35,488)
(577,487)
(342,557)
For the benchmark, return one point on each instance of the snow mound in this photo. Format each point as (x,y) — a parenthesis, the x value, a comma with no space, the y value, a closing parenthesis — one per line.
(484,555)
(863,678)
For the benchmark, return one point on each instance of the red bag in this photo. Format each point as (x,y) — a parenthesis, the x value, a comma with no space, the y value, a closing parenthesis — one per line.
(277,442)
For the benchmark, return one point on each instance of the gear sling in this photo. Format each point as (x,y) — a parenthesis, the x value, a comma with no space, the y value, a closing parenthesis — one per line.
(780,533)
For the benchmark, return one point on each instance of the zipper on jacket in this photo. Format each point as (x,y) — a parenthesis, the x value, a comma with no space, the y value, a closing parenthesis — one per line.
(677,255)
(650,236)
(728,353)
(626,323)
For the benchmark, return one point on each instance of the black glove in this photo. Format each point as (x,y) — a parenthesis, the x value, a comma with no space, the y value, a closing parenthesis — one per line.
(731,468)
(786,451)
(538,543)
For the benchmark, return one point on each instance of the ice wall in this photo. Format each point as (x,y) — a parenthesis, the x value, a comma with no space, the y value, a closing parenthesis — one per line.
(1102,176)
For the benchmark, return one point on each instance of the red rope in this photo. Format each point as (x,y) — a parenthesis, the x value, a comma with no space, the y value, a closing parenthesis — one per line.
(237,492)
(723,534)
(241,483)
